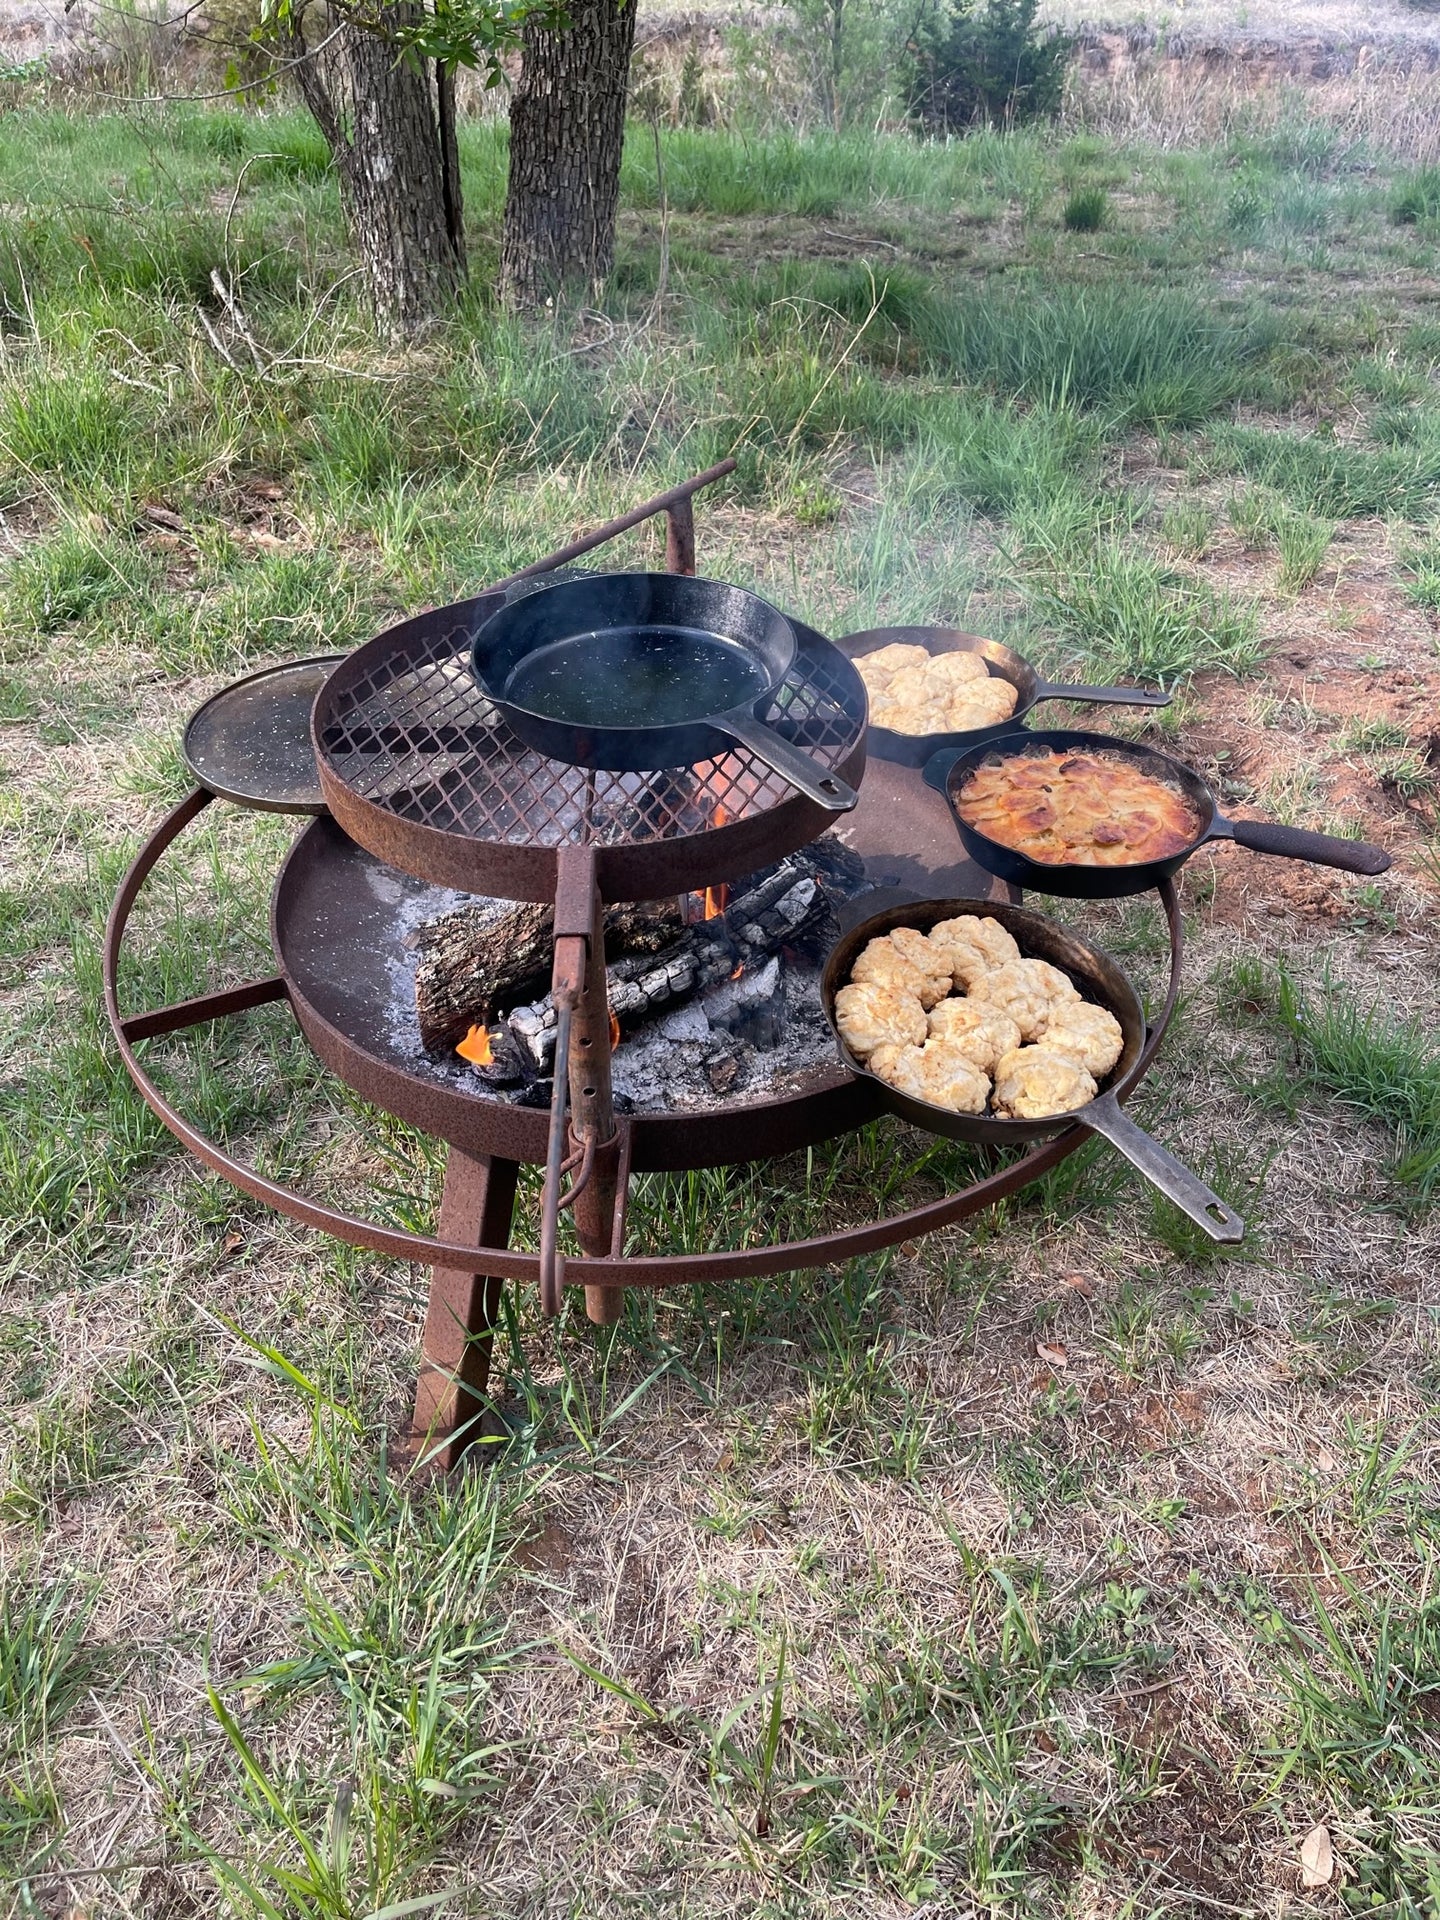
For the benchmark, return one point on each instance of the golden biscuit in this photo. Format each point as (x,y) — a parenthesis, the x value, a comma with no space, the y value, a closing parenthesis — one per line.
(932,961)
(913,714)
(956,668)
(868,1015)
(885,965)
(974,944)
(879,668)
(1032,1083)
(1089,1034)
(1030,991)
(981,1032)
(937,1073)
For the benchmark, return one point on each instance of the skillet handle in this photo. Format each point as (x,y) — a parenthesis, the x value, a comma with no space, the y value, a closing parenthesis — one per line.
(1168,1175)
(826,789)
(1103,696)
(936,771)
(1296,843)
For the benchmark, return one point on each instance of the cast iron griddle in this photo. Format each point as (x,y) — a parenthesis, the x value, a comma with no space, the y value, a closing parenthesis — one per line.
(250,743)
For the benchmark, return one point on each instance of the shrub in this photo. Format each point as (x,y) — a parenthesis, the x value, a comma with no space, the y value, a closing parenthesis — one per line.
(1086,209)
(982,69)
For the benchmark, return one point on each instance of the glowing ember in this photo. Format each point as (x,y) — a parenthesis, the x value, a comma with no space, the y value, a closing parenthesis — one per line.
(475,1047)
(738,971)
(614,1033)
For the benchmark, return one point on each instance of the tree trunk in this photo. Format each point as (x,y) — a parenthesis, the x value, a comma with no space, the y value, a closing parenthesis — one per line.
(567,128)
(388,120)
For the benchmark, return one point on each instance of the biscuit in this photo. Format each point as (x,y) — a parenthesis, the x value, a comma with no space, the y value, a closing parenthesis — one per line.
(1032,1083)
(1089,1034)
(868,1015)
(885,965)
(974,944)
(983,1033)
(937,1073)
(1030,991)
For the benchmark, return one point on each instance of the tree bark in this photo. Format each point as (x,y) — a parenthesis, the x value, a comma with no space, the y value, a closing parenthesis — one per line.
(388,120)
(567,129)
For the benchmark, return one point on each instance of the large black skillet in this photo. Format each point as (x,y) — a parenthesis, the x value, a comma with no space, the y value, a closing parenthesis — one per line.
(1002,663)
(1099,979)
(639,671)
(949,775)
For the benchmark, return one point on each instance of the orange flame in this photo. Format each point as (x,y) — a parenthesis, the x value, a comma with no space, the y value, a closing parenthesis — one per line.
(614,1033)
(738,971)
(717,898)
(476,1048)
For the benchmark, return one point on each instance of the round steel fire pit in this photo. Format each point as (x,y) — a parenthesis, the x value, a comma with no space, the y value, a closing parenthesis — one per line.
(426,788)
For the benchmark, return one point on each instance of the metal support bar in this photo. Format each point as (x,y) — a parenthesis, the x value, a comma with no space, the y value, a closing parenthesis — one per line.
(680,537)
(205,1006)
(477,1204)
(676,497)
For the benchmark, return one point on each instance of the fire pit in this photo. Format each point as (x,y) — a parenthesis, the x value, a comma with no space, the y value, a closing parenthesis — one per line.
(438,812)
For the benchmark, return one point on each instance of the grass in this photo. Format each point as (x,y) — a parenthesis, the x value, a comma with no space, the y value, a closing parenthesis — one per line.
(1327,477)
(981,1575)
(1086,210)
(1385,1069)
(1130,616)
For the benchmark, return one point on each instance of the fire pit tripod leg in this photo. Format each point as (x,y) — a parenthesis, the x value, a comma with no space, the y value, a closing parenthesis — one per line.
(476,1205)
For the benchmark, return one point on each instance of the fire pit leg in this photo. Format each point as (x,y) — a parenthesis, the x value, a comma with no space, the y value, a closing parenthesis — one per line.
(476,1205)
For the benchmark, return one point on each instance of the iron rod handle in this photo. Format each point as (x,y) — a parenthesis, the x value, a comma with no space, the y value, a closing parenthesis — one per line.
(1102,696)
(552,1264)
(645,511)
(1297,843)
(1168,1175)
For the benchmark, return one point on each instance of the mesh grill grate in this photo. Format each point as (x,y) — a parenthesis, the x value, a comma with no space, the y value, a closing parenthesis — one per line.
(417,737)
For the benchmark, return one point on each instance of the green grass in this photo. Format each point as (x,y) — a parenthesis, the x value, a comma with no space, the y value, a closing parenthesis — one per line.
(1128,615)
(1329,478)
(1383,1068)
(1086,210)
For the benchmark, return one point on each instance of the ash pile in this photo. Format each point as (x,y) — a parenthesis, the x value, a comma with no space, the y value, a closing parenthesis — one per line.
(712,996)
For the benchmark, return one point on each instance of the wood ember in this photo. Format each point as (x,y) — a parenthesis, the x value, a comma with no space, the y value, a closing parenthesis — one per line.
(478,961)
(477,964)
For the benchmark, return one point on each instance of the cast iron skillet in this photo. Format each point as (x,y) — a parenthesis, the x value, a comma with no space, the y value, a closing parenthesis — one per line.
(1109,883)
(1098,979)
(1003,663)
(637,671)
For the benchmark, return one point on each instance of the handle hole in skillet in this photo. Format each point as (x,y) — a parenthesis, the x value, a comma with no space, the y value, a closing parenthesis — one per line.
(1217,1214)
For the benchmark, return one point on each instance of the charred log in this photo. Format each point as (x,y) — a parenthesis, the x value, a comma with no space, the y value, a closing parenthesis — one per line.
(482,963)
(476,962)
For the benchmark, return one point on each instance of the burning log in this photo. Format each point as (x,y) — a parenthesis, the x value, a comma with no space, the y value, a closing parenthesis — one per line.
(478,960)
(478,963)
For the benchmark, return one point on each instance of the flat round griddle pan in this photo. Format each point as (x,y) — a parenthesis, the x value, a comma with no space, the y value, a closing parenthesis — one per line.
(1111,883)
(639,671)
(1099,979)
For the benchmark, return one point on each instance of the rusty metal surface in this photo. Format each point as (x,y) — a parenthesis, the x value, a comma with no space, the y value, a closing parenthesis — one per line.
(476,1205)
(657,1271)
(337,923)
(909,842)
(420,769)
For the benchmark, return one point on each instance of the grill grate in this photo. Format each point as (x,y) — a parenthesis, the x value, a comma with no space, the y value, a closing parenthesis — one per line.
(416,737)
